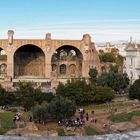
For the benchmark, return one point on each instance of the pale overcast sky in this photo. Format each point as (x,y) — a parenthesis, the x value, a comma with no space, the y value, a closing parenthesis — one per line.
(105,20)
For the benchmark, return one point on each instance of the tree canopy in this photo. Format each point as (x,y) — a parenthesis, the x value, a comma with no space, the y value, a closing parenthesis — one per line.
(134,90)
(83,93)
(6,98)
(58,108)
(93,75)
(115,59)
(104,94)
(76,90)
(28,96)
(116,81)
(107,57)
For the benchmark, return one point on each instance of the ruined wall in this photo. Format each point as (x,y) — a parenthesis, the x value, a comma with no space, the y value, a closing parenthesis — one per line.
(49,46)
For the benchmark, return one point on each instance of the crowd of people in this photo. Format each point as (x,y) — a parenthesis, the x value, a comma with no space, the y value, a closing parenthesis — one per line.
(79,121)
(70,122)
(4,107)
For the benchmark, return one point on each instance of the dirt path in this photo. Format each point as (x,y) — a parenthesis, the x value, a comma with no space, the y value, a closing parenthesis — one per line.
(102,119)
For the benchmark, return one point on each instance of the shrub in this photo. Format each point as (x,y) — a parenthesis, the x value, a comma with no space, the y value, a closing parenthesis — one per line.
(58,108)
(134,90)
(61,132)
(76,90)
(103,94)
(13,109)
(91,131)
(124,116)
(6,120)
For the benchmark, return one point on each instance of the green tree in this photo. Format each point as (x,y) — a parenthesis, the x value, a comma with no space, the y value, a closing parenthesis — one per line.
(40,112)
(40,97)
(48,97)
(6,98)
(107,57)
(119,60)
(93,75)
(25,93)
(61,107)
(114,51)
(76,90)
(112,57)
(25,87)
(116,81)
(58,108)
(134,90)
(61,89)
(82,93)
(28,96)
(103,94)
(114,68)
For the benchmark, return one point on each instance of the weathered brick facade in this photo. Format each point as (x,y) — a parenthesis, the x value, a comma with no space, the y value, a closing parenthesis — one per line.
(47,58)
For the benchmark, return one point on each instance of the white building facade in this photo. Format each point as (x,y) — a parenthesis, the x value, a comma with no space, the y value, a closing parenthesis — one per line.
(132,62)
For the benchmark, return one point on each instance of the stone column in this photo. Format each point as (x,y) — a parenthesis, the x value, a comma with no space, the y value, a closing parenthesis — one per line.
(48,45)
(10,57)
(48,68)
(86,46)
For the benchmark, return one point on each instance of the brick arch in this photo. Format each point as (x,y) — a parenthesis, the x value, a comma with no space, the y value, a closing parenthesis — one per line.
(64,55)
(24,45)
(72,47)
(33,62)
(76,45)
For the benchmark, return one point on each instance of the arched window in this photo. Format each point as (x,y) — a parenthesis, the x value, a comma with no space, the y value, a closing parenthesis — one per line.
(63,69)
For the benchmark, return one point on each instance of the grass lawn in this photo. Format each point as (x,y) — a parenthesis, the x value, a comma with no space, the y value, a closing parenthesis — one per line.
(104,107)
(91,131)
(124,117)
(61,132)
(6,120)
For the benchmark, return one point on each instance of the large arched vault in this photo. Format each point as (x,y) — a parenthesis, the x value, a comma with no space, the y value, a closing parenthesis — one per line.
(67,62)
(29,61)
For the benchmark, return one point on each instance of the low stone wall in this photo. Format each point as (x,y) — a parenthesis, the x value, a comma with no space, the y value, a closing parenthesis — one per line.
(126,136)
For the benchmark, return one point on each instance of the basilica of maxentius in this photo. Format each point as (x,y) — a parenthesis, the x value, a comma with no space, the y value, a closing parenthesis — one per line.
(47,60)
